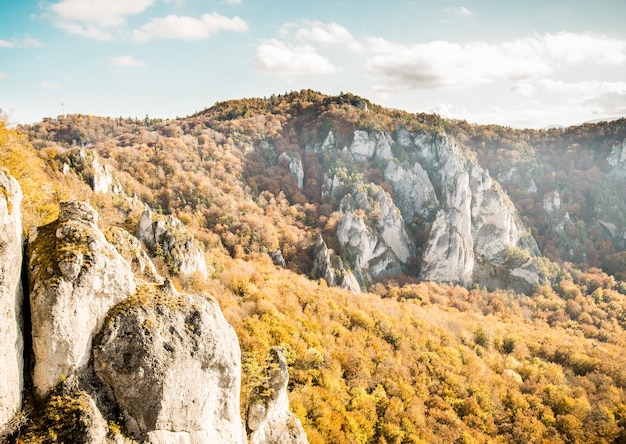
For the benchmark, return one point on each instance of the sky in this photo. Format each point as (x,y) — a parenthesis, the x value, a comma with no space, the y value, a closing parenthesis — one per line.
(532,63)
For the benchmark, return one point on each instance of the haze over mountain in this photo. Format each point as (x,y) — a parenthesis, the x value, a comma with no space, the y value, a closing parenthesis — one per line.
(389,276)
(521,64)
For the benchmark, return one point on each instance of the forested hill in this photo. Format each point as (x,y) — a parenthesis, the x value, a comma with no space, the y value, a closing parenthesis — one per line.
(429,280)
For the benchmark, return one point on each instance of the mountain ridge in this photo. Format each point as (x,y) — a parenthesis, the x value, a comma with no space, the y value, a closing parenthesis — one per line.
(502,357)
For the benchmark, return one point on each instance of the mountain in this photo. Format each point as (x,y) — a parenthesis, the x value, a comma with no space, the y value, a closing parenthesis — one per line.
(426,280)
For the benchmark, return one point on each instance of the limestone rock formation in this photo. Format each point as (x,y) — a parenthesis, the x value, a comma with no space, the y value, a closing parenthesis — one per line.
(102,181)
(476,221)
(167,236)
(173,363)
(367,145)
(130,249)
(68,416)
(294,164)
(269,418)
(617,160)
(413,193)
(11,299)
(330,267)
(75,277)
(371,232)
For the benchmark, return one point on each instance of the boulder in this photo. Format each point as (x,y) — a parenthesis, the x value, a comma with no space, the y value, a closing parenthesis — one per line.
(75,277)
(11,299)
(269,418)
(68,417)
(174,366)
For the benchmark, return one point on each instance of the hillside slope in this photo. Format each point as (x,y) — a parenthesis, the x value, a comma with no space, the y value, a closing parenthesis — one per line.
(289,194)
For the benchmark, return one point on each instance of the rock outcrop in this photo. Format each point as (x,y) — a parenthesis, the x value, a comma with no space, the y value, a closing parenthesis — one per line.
(173,363)
(130,249)
(413,193)
(294,163)
(330,267)
(11,299)
(168,237)
(102,181)
(269,418)
(617,161)
(75,277)
(475,222)
(372,235)
(367,145)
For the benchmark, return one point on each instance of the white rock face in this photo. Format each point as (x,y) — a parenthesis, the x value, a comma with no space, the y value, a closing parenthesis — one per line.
(381,248)
(322,266)
(475,217)
(495,223)
(176,243)
(295,166)
(552,202)
(413,193)
(366,146)
(449,255)
(130,249)
(269,419)
(75,277)
(102,178)
(11,299)
(617,159)
(350,283)
(335,274)
(174,365)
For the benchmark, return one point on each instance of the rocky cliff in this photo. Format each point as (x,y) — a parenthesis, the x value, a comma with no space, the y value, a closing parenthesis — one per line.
(173,364)
(269,418)
(75,277)
(437,189)
(11,299)
(167,237)
(118,354)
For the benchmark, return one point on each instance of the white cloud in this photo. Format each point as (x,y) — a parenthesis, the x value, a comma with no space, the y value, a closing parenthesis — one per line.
(574,49)
(26,41)
(92,18)
(459,10)
(188,28)
(598,97)
(98,12)
(232,2)
(127,62)
(328,34)
(525,89)
(584,89)
(3,75)
(442,64)
(48,85)
(277,58)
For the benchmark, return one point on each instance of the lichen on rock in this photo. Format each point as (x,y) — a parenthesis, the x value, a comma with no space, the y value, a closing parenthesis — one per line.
(174,366)
(75,277)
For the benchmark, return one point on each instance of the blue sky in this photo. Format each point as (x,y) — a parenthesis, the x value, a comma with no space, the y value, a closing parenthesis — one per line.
(523,64)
